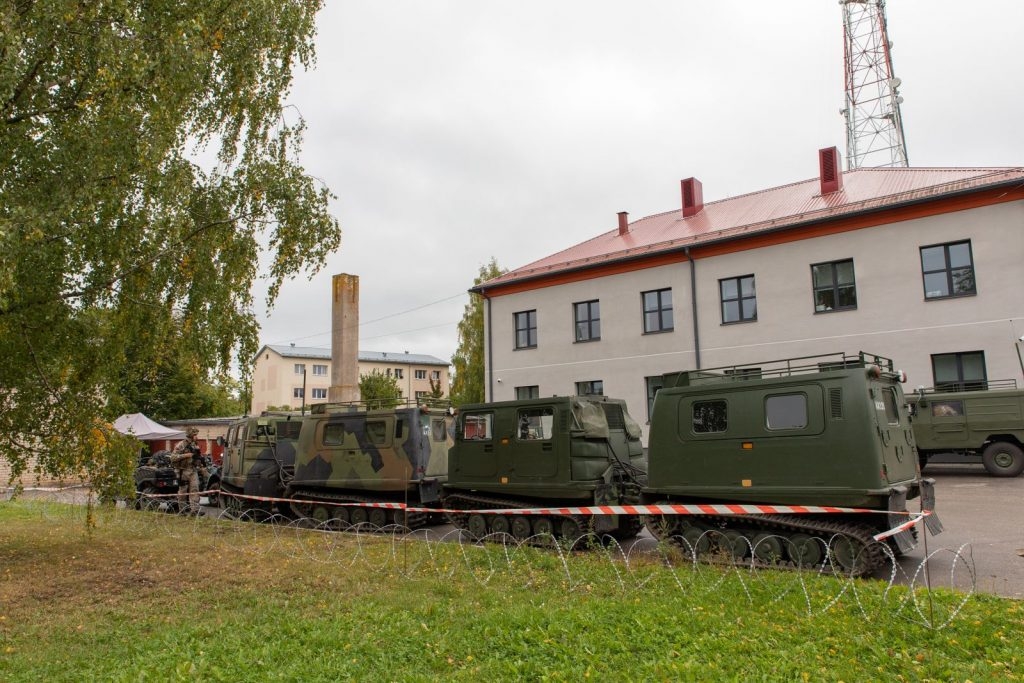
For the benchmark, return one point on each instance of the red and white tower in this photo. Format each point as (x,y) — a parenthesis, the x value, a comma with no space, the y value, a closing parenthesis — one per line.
(874,129)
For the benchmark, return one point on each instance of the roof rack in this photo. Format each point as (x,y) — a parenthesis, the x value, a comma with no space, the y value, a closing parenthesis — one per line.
(826,362)
(424,404)
(979,385)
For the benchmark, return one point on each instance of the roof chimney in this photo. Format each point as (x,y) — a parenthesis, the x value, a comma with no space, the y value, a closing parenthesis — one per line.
(623,222)
(831,173)
(693,197)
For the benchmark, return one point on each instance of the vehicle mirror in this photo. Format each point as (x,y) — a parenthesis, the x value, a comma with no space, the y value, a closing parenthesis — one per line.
(221,442)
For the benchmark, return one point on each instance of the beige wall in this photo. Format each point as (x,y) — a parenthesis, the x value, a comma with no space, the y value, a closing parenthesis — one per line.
(891,319)
(408,382)
(274,379)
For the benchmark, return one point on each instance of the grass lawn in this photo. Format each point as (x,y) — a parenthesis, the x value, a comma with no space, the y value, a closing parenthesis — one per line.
(143,596)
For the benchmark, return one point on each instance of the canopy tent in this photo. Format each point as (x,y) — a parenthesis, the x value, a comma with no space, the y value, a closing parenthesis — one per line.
(144,429)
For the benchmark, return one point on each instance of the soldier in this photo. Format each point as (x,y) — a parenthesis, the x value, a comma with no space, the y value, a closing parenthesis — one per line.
(184,458)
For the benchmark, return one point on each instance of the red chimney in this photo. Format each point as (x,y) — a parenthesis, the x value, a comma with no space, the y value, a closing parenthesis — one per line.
(623,222)
(693,197)
(831,172)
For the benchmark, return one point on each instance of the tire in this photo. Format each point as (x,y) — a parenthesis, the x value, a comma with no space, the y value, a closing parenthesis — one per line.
(1003,459)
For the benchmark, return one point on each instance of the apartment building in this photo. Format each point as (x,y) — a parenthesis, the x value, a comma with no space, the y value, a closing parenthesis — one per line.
(921,265)
(289,375)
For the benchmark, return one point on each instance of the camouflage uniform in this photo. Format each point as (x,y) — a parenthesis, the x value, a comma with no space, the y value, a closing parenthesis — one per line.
(183,460)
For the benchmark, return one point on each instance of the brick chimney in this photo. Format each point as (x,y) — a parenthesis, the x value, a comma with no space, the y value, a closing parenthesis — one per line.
(623,222)
(831,172)
(693,197)
(344,339)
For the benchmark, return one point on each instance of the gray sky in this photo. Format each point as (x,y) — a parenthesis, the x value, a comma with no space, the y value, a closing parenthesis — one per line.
(457,130)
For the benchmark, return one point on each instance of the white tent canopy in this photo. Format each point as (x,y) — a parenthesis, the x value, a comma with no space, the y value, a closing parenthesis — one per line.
(144,429)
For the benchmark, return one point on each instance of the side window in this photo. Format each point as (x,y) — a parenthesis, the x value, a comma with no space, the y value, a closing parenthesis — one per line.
(334,434)
(377,432)
(947,408)
(739,299)
(477,427)
(526,329)
(657,310)
(531,391)
(437,430)
(835,286)
(534,423)
(948,270)
(892,411)
(710,417)
(786,411)
(960,371)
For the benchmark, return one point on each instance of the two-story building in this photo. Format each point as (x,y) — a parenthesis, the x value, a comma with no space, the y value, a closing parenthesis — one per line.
(921,265)
(294,376)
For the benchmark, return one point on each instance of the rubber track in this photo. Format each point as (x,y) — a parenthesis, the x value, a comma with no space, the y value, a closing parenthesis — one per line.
(823,529)
(476,502)
(414,520)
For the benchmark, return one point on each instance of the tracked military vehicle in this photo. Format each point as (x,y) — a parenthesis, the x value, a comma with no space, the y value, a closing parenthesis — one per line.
(259,459)
(984,425)
(564,451)
(816,431)
(361,453)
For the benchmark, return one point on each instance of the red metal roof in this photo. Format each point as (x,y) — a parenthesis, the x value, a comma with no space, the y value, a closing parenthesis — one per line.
(798,204)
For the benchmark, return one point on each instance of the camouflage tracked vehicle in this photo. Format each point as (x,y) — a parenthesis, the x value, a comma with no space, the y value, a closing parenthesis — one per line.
(259,458)
(548,452)
(355,453)
(816,431)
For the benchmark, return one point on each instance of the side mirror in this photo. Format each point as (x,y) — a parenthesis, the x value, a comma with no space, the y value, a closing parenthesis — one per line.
(921,401)
(221,441)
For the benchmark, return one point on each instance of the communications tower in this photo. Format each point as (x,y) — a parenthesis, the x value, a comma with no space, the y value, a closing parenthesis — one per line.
(874,129)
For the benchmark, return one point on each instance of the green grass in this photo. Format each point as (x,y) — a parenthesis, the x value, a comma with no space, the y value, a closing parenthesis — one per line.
(151,597)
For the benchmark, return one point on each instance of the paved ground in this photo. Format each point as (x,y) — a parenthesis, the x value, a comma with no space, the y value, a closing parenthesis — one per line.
(984,512)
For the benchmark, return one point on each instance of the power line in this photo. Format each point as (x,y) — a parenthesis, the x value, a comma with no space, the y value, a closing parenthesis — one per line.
(385,317)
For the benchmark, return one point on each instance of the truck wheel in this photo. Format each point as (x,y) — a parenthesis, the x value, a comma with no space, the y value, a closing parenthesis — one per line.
(1003,459)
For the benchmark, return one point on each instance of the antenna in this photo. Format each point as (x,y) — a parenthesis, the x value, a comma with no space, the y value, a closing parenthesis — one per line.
(874,128)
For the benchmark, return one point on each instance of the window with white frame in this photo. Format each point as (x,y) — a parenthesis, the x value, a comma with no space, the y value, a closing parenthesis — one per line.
(319,370)
(319,392)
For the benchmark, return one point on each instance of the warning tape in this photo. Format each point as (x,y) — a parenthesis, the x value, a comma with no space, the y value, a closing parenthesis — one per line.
(675,509)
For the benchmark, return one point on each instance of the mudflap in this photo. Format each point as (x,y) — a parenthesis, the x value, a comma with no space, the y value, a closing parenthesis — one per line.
(932,521)
(904,540)
(430,490)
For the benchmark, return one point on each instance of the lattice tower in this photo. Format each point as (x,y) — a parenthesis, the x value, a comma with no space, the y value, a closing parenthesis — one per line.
(874,128)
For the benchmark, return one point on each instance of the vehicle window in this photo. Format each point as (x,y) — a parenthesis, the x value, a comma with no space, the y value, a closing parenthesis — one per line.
(438,430)
(376,432)
(710,417)
(786,411)
(947,408)
(892,411)
(334,434)
(534,423)
(477,427)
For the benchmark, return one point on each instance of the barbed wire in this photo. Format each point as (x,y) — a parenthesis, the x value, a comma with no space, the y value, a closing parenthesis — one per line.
(697,568)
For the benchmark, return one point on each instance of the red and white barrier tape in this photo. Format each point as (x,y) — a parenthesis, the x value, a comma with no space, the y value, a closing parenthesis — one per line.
(676,509)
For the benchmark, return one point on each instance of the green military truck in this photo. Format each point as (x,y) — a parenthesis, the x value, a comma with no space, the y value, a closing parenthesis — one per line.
(985,426)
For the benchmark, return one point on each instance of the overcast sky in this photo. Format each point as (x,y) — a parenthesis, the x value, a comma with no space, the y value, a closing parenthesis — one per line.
(453,131)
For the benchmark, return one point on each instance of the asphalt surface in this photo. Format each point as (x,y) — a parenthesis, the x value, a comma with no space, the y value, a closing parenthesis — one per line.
(984,514)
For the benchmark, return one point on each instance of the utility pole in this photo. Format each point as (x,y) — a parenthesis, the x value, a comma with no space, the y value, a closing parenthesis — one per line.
(874,127)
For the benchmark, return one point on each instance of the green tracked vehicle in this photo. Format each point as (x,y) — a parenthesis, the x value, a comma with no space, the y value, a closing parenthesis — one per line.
(982,424)
(362,453)
(563,451)
(829,431)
